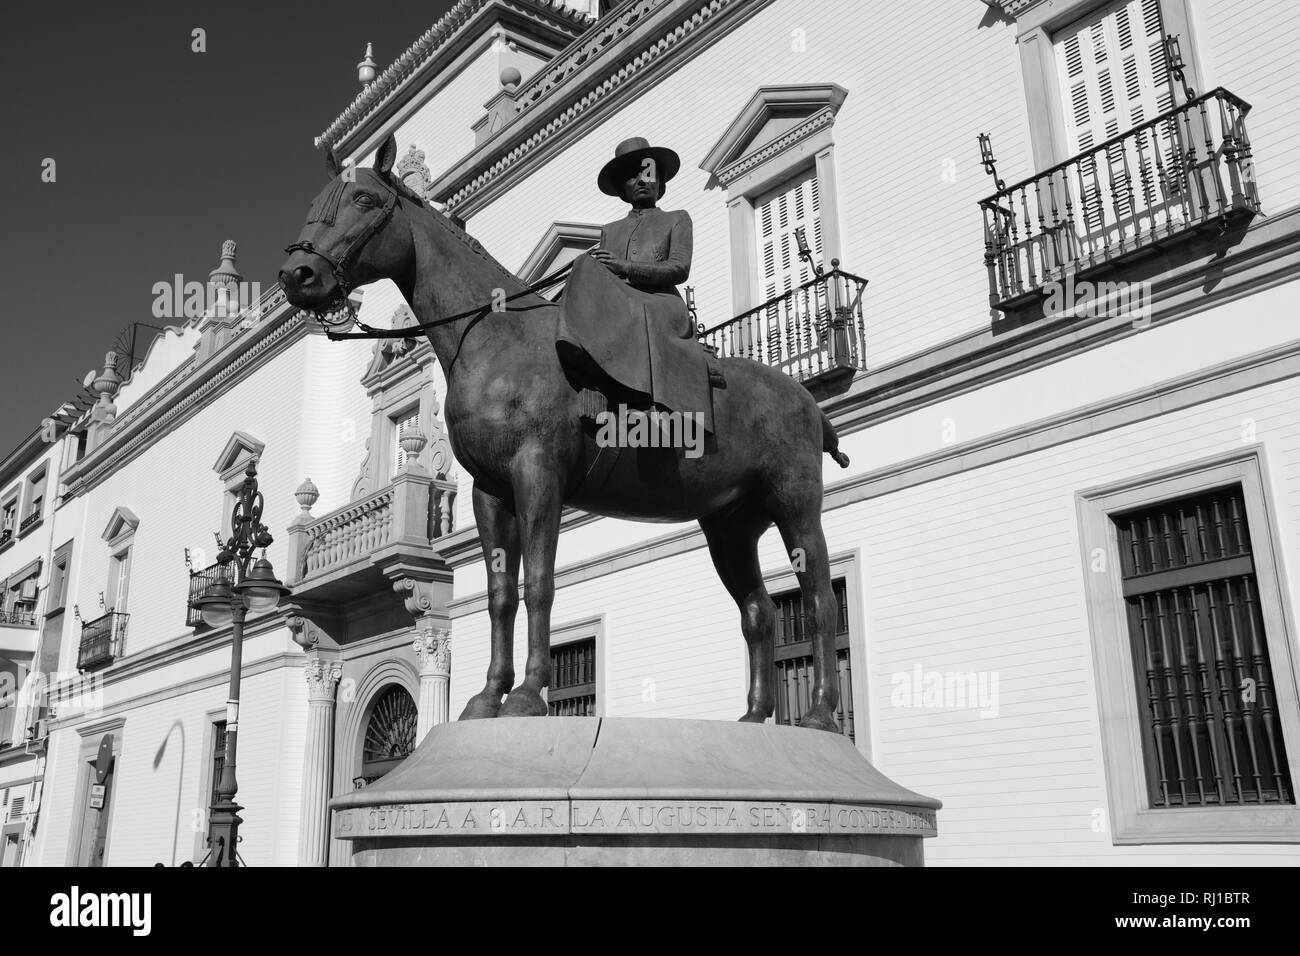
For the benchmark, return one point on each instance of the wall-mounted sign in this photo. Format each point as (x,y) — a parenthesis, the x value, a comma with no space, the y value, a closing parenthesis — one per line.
(97,796)
(104,758)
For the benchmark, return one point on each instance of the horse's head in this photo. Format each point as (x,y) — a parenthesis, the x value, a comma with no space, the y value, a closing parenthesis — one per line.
(355,233)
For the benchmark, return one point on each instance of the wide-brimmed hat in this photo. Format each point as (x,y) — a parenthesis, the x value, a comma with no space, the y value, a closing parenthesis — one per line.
(628,158)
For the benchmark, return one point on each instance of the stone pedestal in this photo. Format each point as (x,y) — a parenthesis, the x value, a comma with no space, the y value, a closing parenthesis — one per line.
(586,791)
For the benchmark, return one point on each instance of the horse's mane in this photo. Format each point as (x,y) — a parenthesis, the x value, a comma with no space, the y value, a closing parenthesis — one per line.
(450,225)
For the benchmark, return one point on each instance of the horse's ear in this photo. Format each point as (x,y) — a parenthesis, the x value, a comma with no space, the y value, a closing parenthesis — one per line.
(332,162)
(386,155)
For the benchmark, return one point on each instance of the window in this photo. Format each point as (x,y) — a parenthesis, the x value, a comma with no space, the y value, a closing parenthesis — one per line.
(778,145)
(573,679)
(119,577)
(410,419)
(1196,683)
(390,733)
(1210,730)
(793,659)
(791,206)
(9,519)
(58,591)
(35,501)
(1093,77)
(21,594)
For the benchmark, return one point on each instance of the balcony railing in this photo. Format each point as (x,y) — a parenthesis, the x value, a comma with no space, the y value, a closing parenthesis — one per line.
(807,332)
(102,640)
(6,537)
(29,522)
(1186,169)
(19,616)
(353,533)
(200,581)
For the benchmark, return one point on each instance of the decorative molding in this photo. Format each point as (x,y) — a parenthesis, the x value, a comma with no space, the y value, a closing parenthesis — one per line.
(234,458)
(595,75)
(558,235)
(455,28)
(322,677)
(203,384)
(121,526)
(417,596)
(433,649)
(813,105)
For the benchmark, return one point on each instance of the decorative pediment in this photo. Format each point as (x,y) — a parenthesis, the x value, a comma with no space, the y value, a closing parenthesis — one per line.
(120,526)
(775,119)
(562,242)
(388,352)
(412,170)
(235,456)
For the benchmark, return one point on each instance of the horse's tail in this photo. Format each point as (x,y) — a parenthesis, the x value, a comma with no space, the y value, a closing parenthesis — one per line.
(831,443)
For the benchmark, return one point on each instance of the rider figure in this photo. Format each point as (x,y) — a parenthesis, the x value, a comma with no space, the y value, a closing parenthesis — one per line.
(649,248)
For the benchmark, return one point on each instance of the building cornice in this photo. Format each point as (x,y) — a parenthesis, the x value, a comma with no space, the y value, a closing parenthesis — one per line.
(627,50)
(184,392)
(435,49)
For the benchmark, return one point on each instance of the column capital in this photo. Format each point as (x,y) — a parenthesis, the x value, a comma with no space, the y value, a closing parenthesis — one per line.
(321,677)
(432,648)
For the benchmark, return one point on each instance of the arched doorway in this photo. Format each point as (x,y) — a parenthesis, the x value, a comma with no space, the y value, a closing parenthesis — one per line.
(390,733)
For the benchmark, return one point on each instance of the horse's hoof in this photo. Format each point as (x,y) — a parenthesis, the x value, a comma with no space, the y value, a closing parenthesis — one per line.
(817,719)
(524,702)
(480,707)
(753,717)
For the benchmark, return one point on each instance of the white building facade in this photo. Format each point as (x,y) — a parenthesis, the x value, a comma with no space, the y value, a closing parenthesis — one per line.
(1065,546)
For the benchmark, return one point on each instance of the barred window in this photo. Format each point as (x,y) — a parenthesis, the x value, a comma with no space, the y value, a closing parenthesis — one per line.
(1211,734)
(573,679)
(794,661)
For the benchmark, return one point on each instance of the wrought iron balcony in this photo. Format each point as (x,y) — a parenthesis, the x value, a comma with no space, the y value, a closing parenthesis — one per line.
(102,640)
(336,557)
(31,521)
(200,581)
(20,616)
(1186,170)
(6,538)
(811,332)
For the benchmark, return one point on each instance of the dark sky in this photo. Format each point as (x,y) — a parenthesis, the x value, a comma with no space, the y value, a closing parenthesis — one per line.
(161,153)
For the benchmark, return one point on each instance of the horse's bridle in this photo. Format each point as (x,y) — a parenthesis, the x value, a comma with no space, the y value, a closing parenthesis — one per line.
(352,242)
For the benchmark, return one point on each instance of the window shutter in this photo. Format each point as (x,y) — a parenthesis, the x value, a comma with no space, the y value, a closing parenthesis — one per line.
(1114,77)
(796,203)
(410,420)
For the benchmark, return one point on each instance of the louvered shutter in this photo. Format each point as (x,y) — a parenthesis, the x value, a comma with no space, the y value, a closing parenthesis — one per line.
(796,203)
(1114,76)
(406,421)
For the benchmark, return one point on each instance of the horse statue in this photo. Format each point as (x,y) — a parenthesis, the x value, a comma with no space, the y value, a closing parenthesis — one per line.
(514,420)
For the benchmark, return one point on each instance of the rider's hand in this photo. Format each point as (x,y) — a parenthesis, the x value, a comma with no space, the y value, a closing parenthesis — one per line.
(610,261)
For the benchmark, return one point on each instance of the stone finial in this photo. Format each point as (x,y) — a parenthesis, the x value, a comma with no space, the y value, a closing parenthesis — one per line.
(224,280)
(511,78)
(366,68)
(108,381)
(412,441)
(307,494)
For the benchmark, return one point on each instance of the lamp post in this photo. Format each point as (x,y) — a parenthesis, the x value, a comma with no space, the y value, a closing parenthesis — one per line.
(256,589)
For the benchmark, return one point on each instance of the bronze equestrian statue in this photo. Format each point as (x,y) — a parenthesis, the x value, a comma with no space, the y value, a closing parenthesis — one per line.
(514,420)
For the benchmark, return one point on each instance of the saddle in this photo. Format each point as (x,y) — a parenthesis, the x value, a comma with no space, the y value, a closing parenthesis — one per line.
(633,345)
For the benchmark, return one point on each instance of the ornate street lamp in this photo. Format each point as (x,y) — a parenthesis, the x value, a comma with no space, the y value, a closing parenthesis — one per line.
(256,589)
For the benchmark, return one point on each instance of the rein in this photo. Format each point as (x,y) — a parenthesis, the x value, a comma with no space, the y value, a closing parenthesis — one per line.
(324,209)
(405,332)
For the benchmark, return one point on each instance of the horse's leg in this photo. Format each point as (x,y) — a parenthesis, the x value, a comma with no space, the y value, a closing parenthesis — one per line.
(538,504)
(801,530)
(733,545)
(499,533)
